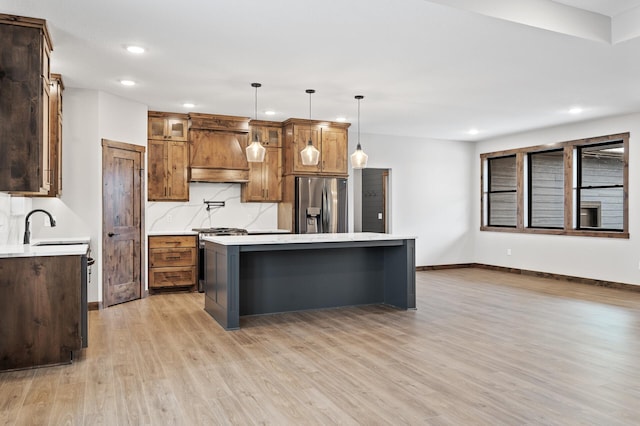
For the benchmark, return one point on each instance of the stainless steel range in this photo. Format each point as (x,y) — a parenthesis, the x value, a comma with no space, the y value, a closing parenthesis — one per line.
(211,232)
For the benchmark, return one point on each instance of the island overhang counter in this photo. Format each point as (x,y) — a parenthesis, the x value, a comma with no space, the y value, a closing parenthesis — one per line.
(264,274)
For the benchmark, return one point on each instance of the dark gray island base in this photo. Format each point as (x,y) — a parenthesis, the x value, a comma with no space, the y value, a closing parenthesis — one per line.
(269,274)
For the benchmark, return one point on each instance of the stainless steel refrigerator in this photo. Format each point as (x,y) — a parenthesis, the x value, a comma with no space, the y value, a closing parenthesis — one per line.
(321,205)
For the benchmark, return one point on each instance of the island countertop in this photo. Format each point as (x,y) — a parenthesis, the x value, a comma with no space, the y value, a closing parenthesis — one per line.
(244,240)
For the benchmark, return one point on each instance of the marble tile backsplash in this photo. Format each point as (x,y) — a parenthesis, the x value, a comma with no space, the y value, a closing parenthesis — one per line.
(181,216)
(12,214)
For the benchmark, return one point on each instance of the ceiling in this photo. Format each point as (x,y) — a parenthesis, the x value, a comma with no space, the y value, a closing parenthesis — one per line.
(604,7)
(432,69)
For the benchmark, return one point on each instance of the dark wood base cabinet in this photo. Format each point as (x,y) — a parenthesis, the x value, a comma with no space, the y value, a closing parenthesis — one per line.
(42,310)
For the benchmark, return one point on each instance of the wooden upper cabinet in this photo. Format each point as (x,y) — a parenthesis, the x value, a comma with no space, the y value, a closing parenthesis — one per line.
(301,136)
(168,126)
(167,171)
(167,157)
(328,137)
(24,87)
(334,150)
(265,178)
(218,145)
(55,135)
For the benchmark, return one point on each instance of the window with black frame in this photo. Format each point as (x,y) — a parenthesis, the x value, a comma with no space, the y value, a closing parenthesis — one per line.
(546,189)
(600,186)
(501,195)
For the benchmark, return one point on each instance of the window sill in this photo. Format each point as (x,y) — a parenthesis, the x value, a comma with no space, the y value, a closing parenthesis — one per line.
(573,232)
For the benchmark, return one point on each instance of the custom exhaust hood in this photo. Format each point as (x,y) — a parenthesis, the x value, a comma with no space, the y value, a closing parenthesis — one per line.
(218,145)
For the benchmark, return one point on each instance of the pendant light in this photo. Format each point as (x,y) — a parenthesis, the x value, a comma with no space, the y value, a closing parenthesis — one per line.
(310,154)
(255,151)
(359,158)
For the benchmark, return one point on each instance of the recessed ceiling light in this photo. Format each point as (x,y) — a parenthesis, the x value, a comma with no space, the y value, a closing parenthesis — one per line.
(341,119)
(473,131)
(188,105)
(575,110)
(127,82)
(135,49)
(270,112)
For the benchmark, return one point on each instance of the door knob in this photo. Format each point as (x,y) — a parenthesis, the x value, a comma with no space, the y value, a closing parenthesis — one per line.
(111,234)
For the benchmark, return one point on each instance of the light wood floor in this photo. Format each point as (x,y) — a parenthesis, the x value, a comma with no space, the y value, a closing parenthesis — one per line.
(484,347)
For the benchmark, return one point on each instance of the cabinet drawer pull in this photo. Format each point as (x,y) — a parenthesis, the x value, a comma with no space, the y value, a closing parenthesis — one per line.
(173,258)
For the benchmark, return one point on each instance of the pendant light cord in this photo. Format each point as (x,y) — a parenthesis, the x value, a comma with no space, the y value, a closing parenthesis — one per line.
(310,92)
(359,124)
(359,98)
(256,110)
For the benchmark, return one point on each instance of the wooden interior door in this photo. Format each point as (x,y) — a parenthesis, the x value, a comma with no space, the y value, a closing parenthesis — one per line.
(122,222)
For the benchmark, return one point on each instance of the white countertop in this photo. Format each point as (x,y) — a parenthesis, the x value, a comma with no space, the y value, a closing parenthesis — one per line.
(241,240)
(191,232)
(184,232)
(268,231)
(26,250)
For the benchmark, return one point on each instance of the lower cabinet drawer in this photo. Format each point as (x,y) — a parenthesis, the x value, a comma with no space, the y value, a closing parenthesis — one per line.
(172,257)
(172,277)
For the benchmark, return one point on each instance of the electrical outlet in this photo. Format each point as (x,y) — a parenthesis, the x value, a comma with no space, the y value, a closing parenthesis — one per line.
(380,216)
(169,218)
(638,265)
(508,252)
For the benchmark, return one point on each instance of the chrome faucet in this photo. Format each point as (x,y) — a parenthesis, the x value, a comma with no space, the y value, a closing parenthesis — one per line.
(27,233)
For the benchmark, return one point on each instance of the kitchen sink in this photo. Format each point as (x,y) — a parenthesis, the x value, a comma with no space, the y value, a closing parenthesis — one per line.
(58,243)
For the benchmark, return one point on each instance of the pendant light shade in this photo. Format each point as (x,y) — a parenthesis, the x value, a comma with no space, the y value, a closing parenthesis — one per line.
(310,154)
(255,151)
(359,158)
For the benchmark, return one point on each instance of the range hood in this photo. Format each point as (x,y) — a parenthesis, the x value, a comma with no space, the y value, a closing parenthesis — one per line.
(217,148)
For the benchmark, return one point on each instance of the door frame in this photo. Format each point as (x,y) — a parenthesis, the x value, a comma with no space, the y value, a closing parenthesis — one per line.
(358,196)
(106,143)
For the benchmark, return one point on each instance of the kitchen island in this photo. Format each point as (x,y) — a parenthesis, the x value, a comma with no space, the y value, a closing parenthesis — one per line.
(264,274)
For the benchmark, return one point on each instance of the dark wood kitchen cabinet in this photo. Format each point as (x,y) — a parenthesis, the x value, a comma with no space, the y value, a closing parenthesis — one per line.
(265,178)
(173,262)
(328,137)
(167,157)
(55,135)
(168,126)
(25,48)
(41,310)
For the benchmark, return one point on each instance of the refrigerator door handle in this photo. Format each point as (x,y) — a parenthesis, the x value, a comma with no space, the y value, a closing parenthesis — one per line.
(326,211)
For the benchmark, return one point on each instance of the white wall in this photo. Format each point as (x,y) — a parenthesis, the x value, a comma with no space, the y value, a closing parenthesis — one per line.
(431,193)
(589,257)
(88,117)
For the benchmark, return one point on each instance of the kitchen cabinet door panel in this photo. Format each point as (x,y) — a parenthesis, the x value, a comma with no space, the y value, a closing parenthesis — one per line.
(178,171)
(334,151)
(24,101)
(168,126)
(265,178)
